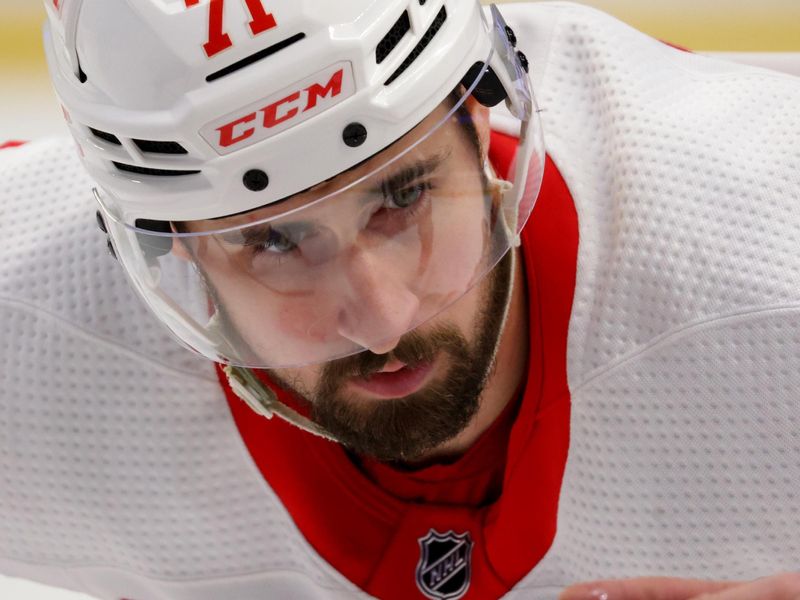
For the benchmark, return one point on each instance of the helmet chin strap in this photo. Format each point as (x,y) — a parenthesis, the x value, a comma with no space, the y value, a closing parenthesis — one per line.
(265,402)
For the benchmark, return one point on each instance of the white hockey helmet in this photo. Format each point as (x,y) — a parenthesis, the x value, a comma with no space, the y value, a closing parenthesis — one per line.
(291,181)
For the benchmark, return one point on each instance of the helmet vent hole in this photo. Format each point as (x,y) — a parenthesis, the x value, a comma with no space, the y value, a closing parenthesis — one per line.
(153,172)
(253,58)
(437,24)
(105,136)
(391,39)
(160,147)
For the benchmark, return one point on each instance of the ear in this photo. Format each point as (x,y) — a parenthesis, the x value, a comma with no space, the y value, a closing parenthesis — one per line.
(480,116)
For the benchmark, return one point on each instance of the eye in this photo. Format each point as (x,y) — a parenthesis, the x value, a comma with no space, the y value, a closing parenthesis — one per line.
(406,197)
(276,240)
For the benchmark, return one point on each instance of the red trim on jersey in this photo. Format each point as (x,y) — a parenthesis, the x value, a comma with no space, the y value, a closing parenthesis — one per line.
(677,47)
(502,150)
(370,535)
(11,144)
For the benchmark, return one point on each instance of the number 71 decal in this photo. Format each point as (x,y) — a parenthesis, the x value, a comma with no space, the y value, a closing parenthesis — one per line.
(218,40)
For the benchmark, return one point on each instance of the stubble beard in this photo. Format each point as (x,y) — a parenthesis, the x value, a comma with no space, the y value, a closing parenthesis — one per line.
(406,429)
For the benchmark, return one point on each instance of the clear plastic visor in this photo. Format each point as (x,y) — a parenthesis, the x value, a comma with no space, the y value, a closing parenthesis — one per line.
(353,263)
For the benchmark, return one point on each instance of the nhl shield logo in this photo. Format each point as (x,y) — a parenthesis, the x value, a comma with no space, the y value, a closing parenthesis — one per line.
(443,570)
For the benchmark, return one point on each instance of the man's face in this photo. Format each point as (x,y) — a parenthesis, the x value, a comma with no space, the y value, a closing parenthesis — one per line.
(385,256)
(399,405)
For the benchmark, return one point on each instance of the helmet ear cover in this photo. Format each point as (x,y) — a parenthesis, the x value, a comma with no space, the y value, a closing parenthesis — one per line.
(489,91)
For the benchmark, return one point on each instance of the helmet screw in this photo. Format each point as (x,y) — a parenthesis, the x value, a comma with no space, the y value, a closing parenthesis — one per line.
(354,135)
(523,61)
(512,37)
(256,180)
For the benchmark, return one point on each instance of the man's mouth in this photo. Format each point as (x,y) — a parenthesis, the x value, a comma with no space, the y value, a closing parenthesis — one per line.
(395,380)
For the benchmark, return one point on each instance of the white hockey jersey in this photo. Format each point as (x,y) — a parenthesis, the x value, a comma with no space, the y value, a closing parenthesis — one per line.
(123,474)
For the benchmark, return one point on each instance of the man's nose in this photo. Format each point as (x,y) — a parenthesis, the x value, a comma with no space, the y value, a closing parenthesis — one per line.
(377,307)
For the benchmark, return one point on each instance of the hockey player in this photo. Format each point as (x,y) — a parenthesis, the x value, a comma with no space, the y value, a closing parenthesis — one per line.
(512,348)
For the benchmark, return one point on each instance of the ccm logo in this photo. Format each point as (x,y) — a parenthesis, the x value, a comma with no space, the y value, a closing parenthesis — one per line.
(279,112)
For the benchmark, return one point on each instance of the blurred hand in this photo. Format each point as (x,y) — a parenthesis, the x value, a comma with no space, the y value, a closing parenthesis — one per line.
(785,586)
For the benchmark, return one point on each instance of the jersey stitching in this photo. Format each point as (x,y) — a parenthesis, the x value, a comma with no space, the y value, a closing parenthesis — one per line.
(672,335)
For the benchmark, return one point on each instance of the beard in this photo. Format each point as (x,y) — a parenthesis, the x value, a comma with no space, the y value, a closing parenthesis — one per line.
(405,429)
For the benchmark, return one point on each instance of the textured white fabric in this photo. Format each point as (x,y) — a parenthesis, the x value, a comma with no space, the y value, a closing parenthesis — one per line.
(684,347)
(122,470)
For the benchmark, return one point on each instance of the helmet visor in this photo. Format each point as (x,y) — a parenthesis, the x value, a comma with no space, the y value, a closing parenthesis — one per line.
(350,264)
